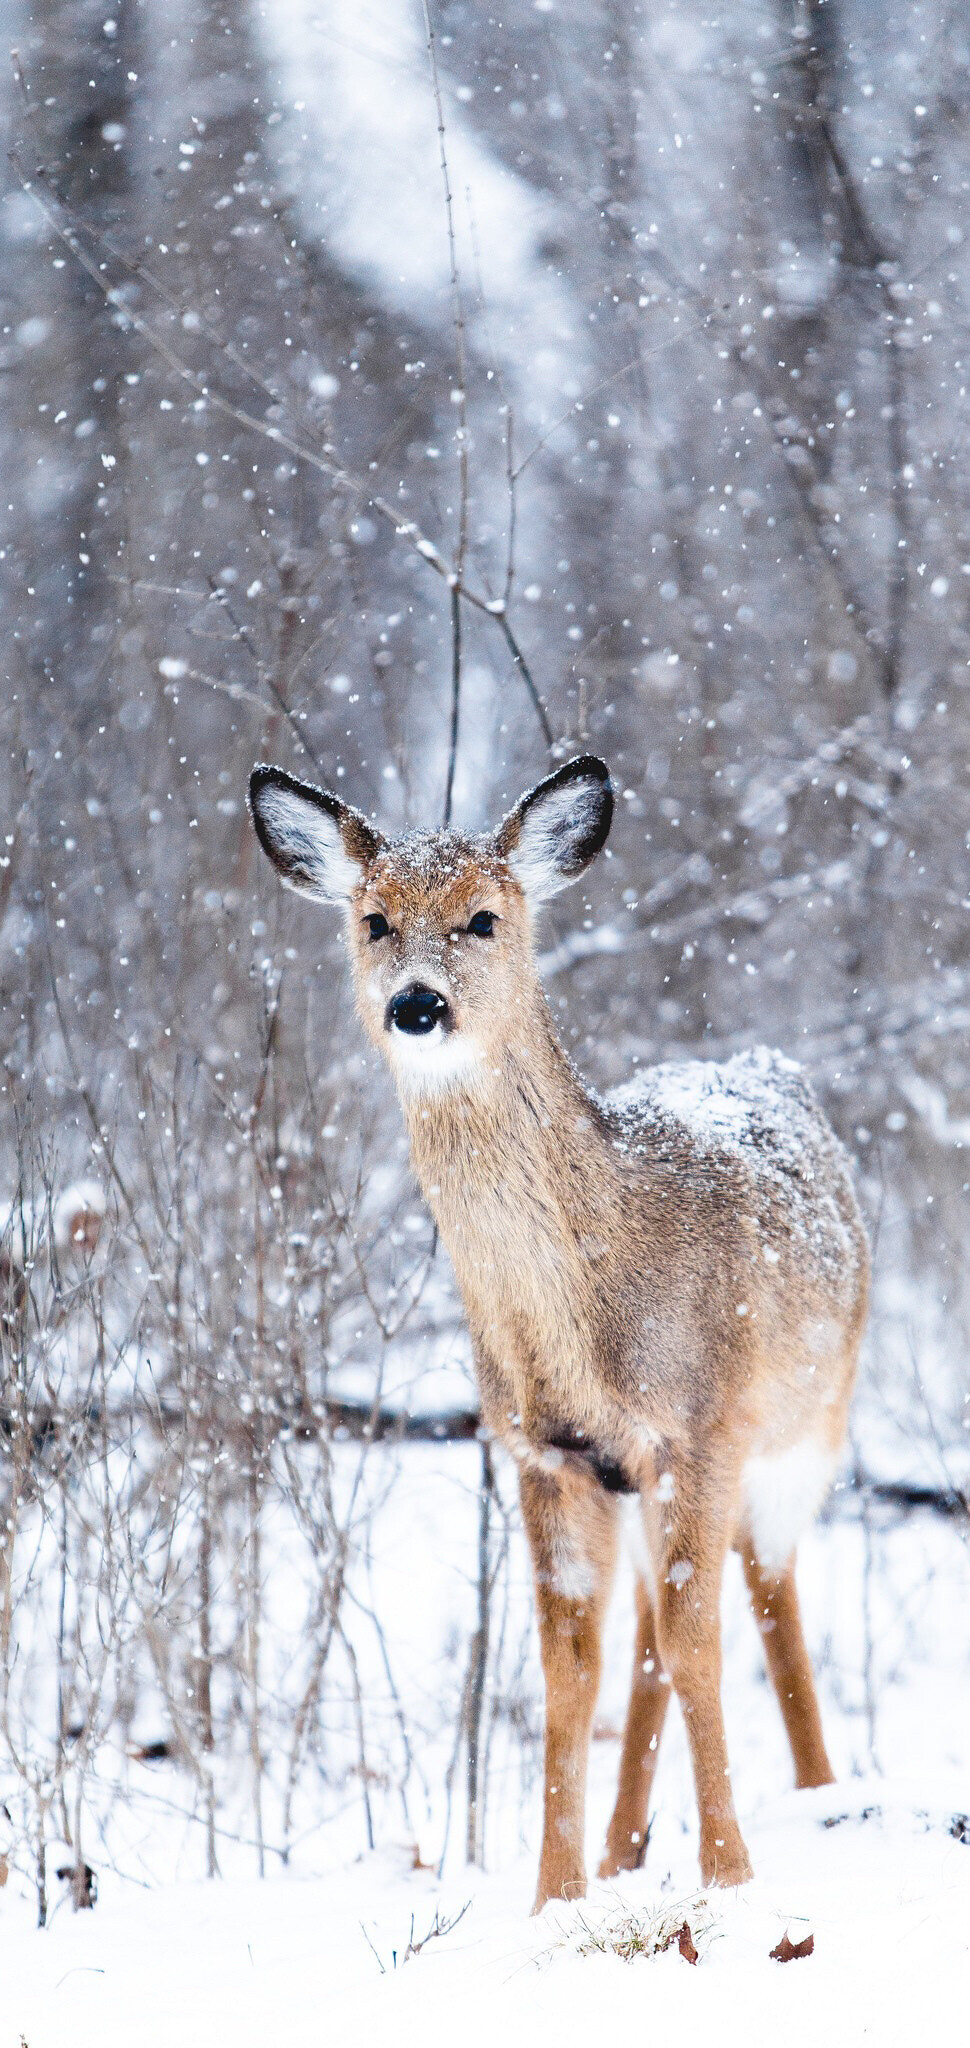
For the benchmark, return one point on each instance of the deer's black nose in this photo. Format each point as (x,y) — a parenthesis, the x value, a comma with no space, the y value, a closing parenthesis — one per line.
(417,1010)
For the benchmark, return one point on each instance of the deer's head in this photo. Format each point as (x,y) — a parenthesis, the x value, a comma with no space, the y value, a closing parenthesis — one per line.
(439,925)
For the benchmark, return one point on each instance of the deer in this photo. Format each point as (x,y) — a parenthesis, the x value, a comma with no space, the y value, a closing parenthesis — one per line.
(665,1286)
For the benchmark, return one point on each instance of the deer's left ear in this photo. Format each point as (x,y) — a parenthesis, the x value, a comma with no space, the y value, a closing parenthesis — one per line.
(318,845)
(558,828)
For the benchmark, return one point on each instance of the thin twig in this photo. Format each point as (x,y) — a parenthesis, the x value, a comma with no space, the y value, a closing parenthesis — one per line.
(438,1929)
(462,430)
(455,703)
(475,1824)
(63,223)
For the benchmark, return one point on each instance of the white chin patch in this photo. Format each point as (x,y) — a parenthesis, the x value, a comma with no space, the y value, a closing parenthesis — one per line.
(430,1062)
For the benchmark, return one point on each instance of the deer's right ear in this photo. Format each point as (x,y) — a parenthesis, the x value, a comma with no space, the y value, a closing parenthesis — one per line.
(318,845)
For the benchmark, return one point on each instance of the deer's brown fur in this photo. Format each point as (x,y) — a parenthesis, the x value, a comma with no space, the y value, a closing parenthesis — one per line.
(666,1286)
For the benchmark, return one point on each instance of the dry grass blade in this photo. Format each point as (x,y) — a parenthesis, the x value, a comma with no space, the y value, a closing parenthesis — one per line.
(629,1935)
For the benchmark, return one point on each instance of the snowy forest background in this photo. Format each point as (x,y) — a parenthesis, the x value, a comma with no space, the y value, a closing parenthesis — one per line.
(413,413)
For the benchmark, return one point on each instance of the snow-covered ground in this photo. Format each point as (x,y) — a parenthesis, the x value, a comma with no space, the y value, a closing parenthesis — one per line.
(877,1869)
(885,1892)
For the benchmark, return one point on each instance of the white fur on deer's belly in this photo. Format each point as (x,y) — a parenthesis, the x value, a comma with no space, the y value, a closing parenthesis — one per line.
(429,1064)
(782,1495)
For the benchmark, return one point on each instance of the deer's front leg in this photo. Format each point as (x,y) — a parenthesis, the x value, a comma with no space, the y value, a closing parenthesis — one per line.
(571,1525)
(692,1547)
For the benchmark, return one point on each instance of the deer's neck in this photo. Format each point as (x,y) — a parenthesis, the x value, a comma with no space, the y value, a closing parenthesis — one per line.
(523,1108)
(520,1174)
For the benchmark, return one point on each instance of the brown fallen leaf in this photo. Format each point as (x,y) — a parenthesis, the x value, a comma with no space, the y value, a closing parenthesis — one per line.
(685,1943)
(790,1951)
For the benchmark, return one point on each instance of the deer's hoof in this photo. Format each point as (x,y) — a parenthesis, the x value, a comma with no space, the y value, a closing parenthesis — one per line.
(726,1864)
(628,1855)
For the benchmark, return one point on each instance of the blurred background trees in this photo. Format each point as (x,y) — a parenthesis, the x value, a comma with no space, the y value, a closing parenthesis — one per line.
(588,377)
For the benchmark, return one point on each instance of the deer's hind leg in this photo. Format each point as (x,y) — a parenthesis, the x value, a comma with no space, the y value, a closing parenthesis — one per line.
(626,1836)
(774,1600)
(570,1522)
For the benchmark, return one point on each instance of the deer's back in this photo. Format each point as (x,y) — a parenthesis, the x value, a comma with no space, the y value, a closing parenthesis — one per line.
(760,1211)
(750,1130)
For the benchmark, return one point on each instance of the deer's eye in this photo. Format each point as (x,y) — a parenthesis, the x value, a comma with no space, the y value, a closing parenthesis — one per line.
(482,925)
(377,925)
